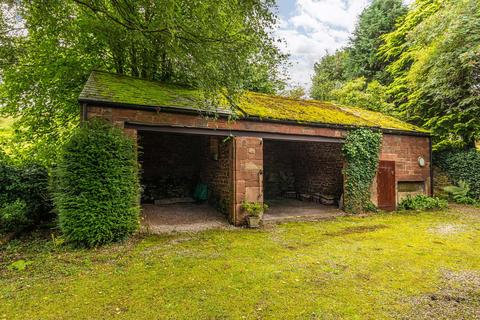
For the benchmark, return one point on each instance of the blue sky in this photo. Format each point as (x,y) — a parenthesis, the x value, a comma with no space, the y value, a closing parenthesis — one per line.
(311,28)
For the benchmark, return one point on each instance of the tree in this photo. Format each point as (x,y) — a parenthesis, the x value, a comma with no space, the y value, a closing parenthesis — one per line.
(376,20)
(220,46)
(359,93)
(329,75)
(297,92)
(359,59)
(436,69)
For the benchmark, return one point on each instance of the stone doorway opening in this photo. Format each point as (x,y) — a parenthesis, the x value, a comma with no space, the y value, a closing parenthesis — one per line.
(302,179)
(186,180)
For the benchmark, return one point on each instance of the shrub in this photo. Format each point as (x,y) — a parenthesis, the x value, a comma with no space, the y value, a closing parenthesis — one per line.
(254,209)
(25,200)
(98,191)
(460,193)
(461,165)
(361,152)
(13,215)
(422,202)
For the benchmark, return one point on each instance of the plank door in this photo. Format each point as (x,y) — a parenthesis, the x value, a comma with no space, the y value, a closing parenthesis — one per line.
(386,185)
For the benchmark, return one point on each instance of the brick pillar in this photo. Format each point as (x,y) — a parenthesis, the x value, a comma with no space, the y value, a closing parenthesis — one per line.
(248,177)
(131,132)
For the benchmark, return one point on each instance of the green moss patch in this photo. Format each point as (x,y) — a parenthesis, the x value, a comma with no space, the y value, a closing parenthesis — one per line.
(107,87)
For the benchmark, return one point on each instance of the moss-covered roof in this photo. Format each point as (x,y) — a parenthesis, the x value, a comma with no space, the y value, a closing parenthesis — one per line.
(123,90)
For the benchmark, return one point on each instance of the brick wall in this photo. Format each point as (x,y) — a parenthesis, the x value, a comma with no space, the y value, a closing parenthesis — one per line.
(216,172)
(170,164)
(279,168)
(120,115)
(318,168)
(173,164)
(405,150)
(305,167)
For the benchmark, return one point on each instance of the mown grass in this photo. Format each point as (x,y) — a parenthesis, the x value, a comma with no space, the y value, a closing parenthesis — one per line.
(348,268)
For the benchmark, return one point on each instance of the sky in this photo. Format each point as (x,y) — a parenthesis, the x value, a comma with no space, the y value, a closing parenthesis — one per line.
(311,28)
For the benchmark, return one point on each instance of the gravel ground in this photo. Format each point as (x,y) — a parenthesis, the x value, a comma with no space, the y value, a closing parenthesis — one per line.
(458,297)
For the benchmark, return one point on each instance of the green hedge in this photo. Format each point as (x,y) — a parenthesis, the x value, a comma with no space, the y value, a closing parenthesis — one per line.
(97,195)
(25,200)
(461,165)
(361,151)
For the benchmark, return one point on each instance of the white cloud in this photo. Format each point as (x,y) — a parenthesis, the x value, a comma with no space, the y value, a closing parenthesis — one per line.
(314,28)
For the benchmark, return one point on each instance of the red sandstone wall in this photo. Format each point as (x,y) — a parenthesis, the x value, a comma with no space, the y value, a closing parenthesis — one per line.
(248,174)
(279,175)
(312,167)
(119,116)
(319,168)
(170,164)
(216,171)
(405,150)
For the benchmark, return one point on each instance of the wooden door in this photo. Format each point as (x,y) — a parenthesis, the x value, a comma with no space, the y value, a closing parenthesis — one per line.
(386,185)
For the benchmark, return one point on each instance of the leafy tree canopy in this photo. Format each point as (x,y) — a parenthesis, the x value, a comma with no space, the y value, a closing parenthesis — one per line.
(49,47)
(436,69)
(376,20)
(360,93)
(297,92)
(330,73)
(358,64)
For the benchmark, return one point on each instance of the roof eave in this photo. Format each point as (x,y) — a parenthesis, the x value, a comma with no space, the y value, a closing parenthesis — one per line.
(171,109)
(222,114)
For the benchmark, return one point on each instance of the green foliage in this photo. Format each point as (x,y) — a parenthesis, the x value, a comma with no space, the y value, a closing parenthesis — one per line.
(355,75)
(379,18)
(422,202)
(254,209)
(460,193)
(329,75)
(14,215)
(359,93)
(361,151)
(219,46)
(24,195)
(435,67)
(297,92)
(98,194)
(461,165)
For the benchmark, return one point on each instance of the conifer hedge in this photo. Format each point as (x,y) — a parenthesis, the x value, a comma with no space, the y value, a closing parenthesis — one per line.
(97,193)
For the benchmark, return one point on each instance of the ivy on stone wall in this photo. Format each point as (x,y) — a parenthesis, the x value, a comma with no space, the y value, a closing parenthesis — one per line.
(361,151)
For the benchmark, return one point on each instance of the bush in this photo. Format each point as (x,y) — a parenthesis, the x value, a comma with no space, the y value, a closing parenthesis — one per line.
(461,165)
(460,193)
(98,192)
(25,200)
(14,214)
(422,202)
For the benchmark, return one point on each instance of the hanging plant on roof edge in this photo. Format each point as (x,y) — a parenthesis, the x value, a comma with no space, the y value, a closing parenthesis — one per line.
(361,151)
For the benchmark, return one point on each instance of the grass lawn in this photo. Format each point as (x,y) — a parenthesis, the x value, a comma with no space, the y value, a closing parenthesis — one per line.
(403,265)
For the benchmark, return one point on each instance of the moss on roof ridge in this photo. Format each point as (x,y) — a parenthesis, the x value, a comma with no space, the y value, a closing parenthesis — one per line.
(104,86)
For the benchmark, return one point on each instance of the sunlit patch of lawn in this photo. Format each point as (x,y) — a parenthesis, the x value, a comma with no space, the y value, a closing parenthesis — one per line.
(355,268)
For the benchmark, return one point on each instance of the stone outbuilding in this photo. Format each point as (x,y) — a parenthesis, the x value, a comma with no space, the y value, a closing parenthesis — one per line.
(267,148)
